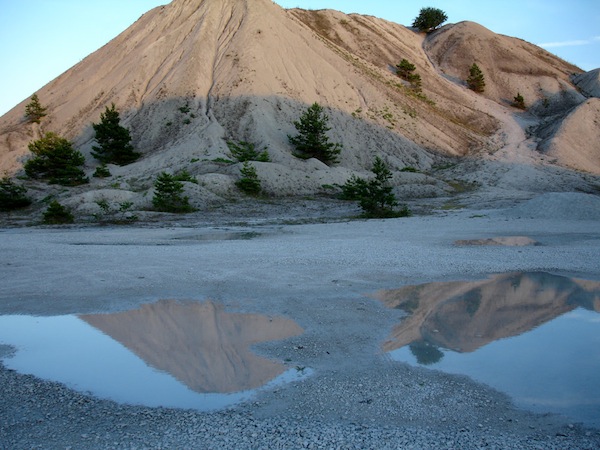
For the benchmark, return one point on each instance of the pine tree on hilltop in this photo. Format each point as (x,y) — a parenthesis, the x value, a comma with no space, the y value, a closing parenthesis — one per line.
(114,141)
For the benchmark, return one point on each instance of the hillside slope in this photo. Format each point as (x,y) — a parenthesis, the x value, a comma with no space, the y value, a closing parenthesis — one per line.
(192,75)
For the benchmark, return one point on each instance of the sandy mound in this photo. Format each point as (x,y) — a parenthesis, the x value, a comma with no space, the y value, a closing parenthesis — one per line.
(589,82)
(575,142)
(563,205)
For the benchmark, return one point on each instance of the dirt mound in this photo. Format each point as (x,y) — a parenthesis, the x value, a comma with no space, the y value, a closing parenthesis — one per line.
(559,205)
(589,83)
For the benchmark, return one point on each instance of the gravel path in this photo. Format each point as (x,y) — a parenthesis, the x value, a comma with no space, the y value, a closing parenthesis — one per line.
(321,276)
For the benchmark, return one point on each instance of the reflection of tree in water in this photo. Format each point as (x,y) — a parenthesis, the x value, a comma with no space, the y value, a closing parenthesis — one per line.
(472,300)
(425,353)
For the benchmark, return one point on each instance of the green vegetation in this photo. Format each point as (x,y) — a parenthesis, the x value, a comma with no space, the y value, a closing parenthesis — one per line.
(57,214)
(406,71)
(184,175)
(519,101)
(102,172)
(168,195)
(429,19)
(249,183)
(114,141)
(375,196)
(245,151)
(119,214)
(34,111)
(55,160)
(476,80)
(12,196)
(312,140)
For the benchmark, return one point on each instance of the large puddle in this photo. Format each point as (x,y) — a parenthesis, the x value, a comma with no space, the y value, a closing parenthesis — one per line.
(172,354)
(534,336)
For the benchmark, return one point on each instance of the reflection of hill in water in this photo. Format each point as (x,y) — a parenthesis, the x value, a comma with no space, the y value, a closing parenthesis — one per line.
(464,316)
(198,343)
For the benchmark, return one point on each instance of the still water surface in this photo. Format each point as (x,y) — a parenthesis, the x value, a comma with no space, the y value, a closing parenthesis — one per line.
(534,336)
(172,354)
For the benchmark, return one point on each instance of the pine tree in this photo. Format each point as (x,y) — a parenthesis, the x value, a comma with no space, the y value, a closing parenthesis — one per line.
(312,140)
(55,160)
(34,111)
(405,69)
(168,195)
(57,214)
(476,80)
(519,101)
(249,183)
(429,19)
(114,141)
(12,196)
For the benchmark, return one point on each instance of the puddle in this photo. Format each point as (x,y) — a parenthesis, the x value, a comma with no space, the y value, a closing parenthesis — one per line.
(171,354)
(506,241)
(534,336)
(222,236)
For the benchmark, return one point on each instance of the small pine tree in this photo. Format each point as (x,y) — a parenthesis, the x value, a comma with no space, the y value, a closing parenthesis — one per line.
(114,141)
(375,196)
(34,111)
(312,140)
(245,151)
(55,160)
(102,172)
(12,196)
(476,80)
(168,195)
(405,69)
(249,183)
(429,19)
(519,101)
(57,214)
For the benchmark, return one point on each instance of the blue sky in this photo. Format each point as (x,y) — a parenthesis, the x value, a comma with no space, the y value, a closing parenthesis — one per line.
(40,39)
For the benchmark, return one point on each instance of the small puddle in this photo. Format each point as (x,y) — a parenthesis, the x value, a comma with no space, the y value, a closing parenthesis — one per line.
(171,354)
(534,336)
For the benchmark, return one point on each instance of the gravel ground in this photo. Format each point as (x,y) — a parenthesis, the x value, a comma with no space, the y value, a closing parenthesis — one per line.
(320,275)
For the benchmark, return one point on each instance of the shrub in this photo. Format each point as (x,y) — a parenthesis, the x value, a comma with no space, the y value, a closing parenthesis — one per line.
(405,69)
(184,175)
(102,172)
(120,214)
(429,19)
(12,196)
(312,140)
(34,111)
(476,80)
(57,214)
(245,151)
(519,101)
(55,160)
(168,195)
(114,141)
(249,183)
(375,196)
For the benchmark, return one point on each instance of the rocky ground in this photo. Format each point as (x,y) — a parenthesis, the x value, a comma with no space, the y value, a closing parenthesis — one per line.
(319,274)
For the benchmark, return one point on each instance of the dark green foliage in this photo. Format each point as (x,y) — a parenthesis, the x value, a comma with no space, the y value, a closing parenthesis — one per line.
(519,101)
(102,172)
(245,151)
(57,214)
(375,195)
(184,175)
(425,352)
(168,195)
(249,183)
(114,141)
(55,160)
(476,80)
(312,140)
(119,214)
(34,111)
(12,196)
(406,71)
(429,19)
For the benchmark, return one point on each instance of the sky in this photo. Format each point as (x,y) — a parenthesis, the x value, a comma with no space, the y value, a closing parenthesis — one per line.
(40,39)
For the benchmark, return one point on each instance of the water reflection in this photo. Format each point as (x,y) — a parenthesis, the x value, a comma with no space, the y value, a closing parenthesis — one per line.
(192,355)
(534,336)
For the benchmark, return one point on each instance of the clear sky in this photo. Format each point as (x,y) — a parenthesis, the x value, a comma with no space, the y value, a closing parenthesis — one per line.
(40,39)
